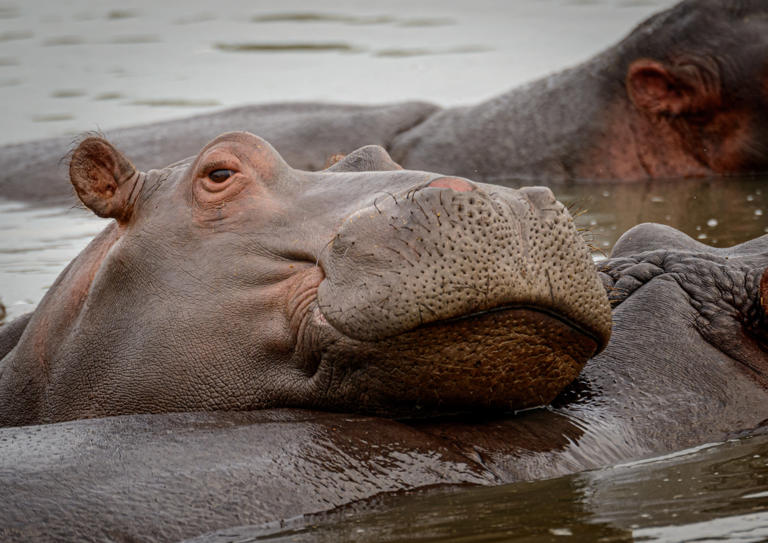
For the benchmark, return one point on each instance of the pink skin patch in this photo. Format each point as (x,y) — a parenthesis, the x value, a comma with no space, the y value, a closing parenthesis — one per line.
(453,183)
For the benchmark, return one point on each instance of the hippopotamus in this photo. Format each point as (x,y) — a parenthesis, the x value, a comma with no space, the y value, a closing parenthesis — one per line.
(686,364)
(231,280)
(684,94)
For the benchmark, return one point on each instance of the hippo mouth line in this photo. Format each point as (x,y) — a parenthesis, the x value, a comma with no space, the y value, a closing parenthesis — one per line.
(508,357)
(514,307)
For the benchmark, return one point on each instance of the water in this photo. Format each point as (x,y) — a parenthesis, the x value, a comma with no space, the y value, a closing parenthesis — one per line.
(69,67)
(716,492)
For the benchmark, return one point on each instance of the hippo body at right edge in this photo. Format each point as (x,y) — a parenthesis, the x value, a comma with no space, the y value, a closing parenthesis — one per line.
(686,365)
(685,94)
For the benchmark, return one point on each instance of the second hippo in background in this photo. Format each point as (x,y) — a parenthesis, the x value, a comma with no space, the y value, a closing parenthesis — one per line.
(231,281)
(684,94)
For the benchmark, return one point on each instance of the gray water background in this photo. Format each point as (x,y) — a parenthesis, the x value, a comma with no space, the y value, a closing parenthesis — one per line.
(78,65)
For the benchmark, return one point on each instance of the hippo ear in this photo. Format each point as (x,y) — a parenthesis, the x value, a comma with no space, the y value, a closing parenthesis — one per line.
(103,178)
(764,291)
(664,89)
(370,158)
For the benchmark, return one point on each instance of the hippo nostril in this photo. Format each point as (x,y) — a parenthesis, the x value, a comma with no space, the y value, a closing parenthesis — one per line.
(540,197)
(453,183)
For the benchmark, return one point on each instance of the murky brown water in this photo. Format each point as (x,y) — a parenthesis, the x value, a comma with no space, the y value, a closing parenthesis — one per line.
(68,67)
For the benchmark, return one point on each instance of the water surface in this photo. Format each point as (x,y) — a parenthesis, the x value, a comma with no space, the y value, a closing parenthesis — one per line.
(715,492)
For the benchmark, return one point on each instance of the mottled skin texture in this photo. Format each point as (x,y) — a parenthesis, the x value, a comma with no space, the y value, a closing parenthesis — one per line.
(685,94)
(233,281)
(686,365)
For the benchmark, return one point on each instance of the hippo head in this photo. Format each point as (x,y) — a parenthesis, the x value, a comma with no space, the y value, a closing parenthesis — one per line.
(716,300)
(232,281)
(701,68)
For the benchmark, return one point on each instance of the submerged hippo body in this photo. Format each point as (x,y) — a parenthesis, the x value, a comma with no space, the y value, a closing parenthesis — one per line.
(686,365)
(233,281)
(685,94)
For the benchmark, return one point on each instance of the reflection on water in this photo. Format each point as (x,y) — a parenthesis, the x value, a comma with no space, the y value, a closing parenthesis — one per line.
(317,17)
(406,50)
(174,102)
(68,93)
(416,52)
(136,38)
(15,35)
(122,14)
(287,47)
(310,17)
(707,494)
(51,117)
(63,40)
(717,212)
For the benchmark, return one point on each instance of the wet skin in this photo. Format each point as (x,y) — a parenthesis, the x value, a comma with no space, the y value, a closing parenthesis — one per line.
(233,281)
(683,95)
(686,365)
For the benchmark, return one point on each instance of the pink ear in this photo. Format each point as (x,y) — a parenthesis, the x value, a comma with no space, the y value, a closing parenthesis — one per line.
(662,89)
(104,179)
(764,291)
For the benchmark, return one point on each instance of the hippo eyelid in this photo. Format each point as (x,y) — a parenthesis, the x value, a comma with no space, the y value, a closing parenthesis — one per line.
(220,175)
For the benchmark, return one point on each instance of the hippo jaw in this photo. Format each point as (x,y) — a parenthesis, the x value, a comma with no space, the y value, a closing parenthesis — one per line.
(506,324)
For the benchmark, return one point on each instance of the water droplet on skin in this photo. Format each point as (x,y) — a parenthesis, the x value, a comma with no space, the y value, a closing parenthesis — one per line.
(750,197)
(712,223)
(698,228)
(702,236)
(758,212)
(606,194)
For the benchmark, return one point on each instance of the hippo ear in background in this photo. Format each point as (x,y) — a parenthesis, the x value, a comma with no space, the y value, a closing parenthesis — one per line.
(687,86)
(370,158)
(104,179)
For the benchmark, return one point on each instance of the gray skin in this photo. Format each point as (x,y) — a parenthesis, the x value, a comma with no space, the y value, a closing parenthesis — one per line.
(233,281)
(686,365)
(684,94)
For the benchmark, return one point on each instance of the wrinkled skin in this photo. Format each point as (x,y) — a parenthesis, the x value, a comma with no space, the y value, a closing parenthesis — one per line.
(684,94)
(686,365)
(233,281)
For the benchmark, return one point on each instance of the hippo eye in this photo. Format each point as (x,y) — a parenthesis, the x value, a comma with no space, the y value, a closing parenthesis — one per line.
(219,176)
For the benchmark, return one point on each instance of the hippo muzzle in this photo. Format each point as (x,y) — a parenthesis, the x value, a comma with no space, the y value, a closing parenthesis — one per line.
(455,295)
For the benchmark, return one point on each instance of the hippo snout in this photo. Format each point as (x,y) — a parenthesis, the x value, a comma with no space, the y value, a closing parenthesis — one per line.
(456,294)
(428,255)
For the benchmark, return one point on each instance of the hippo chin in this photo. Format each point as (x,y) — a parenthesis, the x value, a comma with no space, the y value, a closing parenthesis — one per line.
(686,365)
(684,94)
(232,281)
